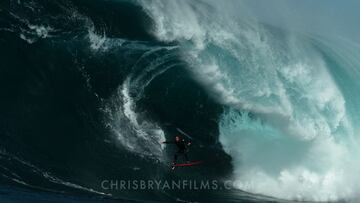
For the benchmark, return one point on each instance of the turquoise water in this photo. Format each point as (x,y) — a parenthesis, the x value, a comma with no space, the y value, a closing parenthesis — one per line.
(267,92)
(290,98)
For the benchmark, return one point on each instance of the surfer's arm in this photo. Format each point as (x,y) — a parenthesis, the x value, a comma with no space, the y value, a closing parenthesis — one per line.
(168,142)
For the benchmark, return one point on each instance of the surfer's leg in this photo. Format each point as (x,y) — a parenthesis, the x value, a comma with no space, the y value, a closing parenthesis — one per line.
(175,157)
(174,161)
(186,157)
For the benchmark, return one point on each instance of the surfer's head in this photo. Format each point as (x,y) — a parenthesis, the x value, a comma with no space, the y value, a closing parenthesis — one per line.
(177,138)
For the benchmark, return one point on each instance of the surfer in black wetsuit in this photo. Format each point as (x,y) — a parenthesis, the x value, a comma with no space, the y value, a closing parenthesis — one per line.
(182,148)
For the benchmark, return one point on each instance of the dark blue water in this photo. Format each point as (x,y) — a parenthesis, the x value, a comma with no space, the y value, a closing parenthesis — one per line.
(59,82)
(89,90)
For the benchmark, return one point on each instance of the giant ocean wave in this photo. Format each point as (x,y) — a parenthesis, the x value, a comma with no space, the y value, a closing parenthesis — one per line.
(91,88)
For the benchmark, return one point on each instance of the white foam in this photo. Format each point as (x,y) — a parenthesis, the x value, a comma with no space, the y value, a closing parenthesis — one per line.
(41,30)
(35,32)
(297,146)
(28,40)
(131,129)
(168,25)
(270,162)
(97,41)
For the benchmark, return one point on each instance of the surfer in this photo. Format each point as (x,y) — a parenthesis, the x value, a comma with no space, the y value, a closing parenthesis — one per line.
(182,149)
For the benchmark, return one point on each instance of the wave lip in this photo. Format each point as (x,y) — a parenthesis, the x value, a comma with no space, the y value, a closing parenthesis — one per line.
(286,123)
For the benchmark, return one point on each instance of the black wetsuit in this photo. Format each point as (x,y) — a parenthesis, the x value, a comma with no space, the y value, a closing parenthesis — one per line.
(182,149)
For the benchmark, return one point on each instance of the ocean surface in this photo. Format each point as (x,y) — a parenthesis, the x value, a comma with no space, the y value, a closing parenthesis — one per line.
(90,88)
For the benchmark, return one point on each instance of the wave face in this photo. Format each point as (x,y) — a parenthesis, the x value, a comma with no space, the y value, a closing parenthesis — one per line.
(289,98)
(89,94)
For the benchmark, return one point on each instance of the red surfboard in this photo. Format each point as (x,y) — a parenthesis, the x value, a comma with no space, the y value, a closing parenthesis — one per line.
(192,163)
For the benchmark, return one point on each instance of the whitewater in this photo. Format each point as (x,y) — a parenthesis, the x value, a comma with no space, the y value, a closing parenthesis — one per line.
(267,92)
(290,98)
